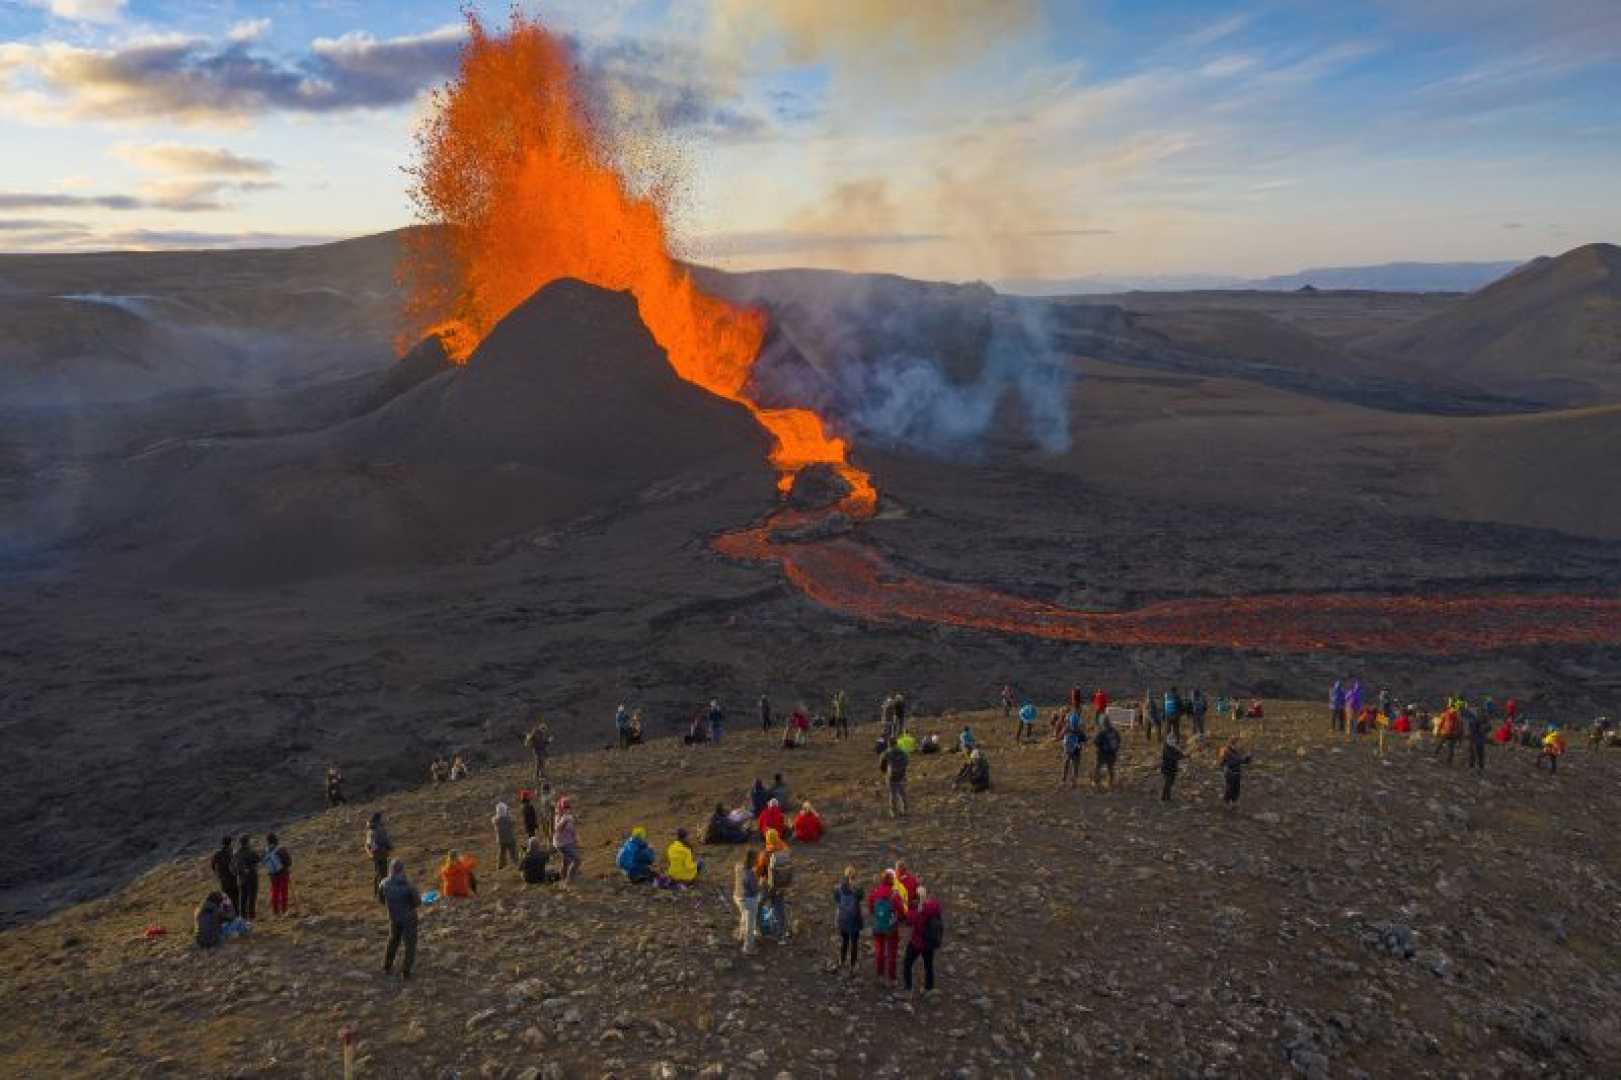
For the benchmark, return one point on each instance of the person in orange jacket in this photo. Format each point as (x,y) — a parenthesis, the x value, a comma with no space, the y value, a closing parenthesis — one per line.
(456,877)
(807,824)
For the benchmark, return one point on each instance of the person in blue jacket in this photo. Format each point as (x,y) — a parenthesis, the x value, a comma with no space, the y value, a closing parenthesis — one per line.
(1027,723)
(636,856)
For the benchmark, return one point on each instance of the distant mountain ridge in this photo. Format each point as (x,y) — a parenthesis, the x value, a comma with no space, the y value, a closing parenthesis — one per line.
(1384,277)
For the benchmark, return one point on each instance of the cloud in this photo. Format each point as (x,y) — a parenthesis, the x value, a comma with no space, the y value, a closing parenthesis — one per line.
(185,239)
(799,242)
(1227,66)
(882,37)
(37,225)
(248,30)
(96,11)
(195,81)
(191,160)
(181,196)
(665,86)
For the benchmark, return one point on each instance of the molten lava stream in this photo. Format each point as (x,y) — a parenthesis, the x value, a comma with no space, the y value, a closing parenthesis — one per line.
(850,577)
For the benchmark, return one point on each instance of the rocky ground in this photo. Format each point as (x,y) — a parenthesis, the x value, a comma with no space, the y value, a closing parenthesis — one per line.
(1354,916)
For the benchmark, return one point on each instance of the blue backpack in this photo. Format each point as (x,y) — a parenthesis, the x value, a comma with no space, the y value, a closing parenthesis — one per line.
(883,915)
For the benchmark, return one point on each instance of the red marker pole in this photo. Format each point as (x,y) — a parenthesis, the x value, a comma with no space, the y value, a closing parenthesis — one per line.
(346,1039)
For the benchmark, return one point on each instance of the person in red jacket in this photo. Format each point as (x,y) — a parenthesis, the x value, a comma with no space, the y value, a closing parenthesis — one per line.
(807,824)
(928,927)
(771,818)
(888,912)
(1100,705)
(907,881)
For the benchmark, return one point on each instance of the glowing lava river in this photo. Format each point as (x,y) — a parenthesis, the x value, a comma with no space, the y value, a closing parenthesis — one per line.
(847,576)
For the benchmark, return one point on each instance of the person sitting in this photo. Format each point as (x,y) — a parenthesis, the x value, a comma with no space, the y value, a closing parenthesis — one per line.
(439,771)
(907,742)
(975,772)
(759,797)
(1504,734)
(210,919)
(723,828)
(681,866)
(965,740)
(1255,712)
(771,817)
(930,744)
(456,877)
(533,865)
(797,731)
(634,734)
(458,768)
(636,856)
(807,824)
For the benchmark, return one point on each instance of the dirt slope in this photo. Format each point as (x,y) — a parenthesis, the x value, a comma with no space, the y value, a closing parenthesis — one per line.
(1550,332)
(1089,933)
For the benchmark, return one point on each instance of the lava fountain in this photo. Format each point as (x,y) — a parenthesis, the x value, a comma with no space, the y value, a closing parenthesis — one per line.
(524,188)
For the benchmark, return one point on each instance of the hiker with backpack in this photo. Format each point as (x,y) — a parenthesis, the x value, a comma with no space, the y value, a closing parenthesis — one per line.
(887,911)
(396,893)
(1232,761)
(1170,762)
(506,836)
(1027,723)
(975,772)
(717,720)
(1100,705)
(1107,745)
(847,899)
(334,787)
(1173,713)
(928,933)
(1553,748)
(1199,708)
(566,839)
(278,864)
(776,882)
(893,763)
(224,866)
(538,740)
(1336,706)
(246,864)
(1074,743)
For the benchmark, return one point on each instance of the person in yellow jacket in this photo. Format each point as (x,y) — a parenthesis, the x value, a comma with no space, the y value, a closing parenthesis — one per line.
(682,866)
(1553,748)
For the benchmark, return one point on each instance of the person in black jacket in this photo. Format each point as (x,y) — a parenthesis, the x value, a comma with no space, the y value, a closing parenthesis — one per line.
(402,900)
(533,864)
(1107,744)
(723,830)
(224,866)
(1170,760)
(209,918)
(247,878)
(531,819)
(1232,761)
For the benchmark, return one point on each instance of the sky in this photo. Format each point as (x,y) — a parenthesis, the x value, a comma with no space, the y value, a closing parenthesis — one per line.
(953,139)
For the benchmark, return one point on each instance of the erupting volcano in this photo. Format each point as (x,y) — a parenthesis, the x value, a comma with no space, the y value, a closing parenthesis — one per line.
(526,187)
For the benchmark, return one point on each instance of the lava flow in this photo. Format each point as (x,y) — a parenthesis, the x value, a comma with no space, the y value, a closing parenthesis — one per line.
(526,188)
(853,578)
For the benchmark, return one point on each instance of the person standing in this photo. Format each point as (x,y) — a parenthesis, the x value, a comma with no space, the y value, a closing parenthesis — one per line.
(278,863)
(402,900)
(779,879)
(1173,713)
(334,787)
(1336,706)
(1027,723)
(893,763)
(531,819)
(546,810)
(1108,750)
(1553,748)
(765,714)
(717,720)
(1007,701)
(847,900)
(928,931)
(1232,761)
(1100,705)
(900,713)
(1170,761)
(224,866)
(379,846)
(746,895)
(506,836)
(566,840)
(1477,727)
(887,911)
(246,864)
(622,726)
(1074,743)
(539,741)
(1153,714)
(841,717)
(1199,709)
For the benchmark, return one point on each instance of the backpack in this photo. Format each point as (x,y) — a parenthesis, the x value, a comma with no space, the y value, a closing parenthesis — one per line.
(934,932)
(1108,742)
(883,915)
(272,862)
(781,870)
